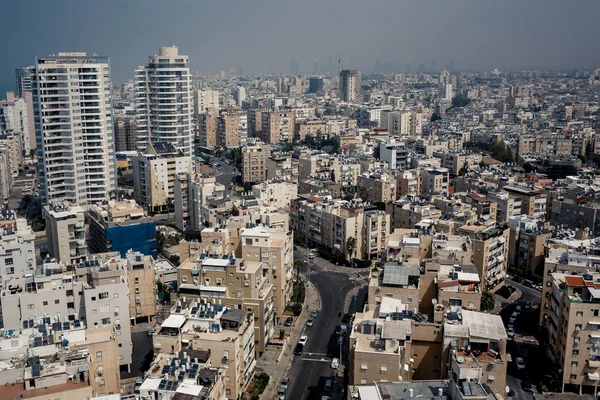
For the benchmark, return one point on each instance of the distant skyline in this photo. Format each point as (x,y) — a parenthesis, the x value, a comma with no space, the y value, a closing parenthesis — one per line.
(265,35)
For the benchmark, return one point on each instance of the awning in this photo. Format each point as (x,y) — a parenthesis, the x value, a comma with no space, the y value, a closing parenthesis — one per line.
(595,322)
(593,376)
(482,341)
(594,363)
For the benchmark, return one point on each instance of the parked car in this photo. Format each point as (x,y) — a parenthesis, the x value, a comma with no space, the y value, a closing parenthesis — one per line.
(335,363)
(281,393)
(314,314)
(151,332)
(310,322)
(346,318)
(298,350)
(303,340)
(328,385)
(138,383)
(289,321)
(311,255)
(520,363)
(518,309)
(285,383)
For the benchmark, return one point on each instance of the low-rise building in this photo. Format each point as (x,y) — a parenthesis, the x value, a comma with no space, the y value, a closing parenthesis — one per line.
(65,230)
(254,162)
(377,187)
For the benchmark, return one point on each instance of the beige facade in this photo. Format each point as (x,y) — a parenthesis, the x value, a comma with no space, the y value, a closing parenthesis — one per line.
(276,193)
(377,187)
(455,161)
(435,180)
(321,164)
(277,126)
(408,183)
(309,127)
(533,201)
(65,229)
(206,101)
(208,127)
(233,129)
(254,162)
(282,166)
(141,280)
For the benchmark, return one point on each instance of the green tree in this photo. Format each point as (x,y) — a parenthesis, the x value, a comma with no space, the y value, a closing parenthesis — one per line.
(488,301)
(351,246)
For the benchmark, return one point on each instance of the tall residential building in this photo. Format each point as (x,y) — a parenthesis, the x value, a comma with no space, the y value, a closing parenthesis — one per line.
(17,250)
(191,193)
(163,101)
(254,162)
(23,80)
(232,128)
(208,127)
(125,132)
(65,228)
(74,128)
(16,114)
(277,126)
(350,86)
(315,85)
(240,95)
(154,173)
(206,101)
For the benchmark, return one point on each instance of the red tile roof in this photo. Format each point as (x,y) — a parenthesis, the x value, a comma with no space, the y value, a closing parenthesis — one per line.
(574,281)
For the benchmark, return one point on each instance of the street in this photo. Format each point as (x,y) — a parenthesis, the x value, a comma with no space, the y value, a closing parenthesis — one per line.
(309,370)
(225,176)
(526,326)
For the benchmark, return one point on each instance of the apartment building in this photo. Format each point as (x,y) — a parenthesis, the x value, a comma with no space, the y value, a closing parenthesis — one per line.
(141,280)
(91,294)
(273,247)
(575,214)
(311,164)
(203,334)
(507,206)
(435,180)
(314,127)
(24,80)
(455,161)
(485,209)
(232,129)
(234,283)
(277,126)
(165,114)
(17,248)
(121,226)
(350,86)
(125,132)
(192,191)
(546,144)
(154,173)
(490,253)
(277,193)
(377,187)
(408,182)
(528,239)
(206,102)
(375,234)
(282,166)
(533,201)
(254,162)
(403,122)
(475,351)
(208,128)
(187,374)
(76,159)
(16,115)
(396,154)
(6,173)
(407,214)
(65,230)
(380,346)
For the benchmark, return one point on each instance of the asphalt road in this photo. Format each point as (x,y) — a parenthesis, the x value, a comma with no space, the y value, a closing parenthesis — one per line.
(142,354)
(526,324)
(225,175)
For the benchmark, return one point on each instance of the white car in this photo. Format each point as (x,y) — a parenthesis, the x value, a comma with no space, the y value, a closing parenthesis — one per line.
(518,309)
(520,363)
(303,340)
(510,333)
(311,255)
(335,363)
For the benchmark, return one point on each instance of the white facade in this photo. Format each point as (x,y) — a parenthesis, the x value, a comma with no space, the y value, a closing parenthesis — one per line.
(74,128)
(16,115)
(350,86)
(207,101)
(276,193)
(17,249)
(163,101)
(23,80)
(240,95)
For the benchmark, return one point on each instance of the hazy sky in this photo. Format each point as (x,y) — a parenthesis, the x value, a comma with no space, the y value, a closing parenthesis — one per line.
(261,34)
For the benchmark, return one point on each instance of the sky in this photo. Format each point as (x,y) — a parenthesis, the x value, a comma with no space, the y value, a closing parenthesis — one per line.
(264,35)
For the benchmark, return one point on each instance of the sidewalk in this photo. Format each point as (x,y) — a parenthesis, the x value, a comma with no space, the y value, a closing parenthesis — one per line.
(277,363)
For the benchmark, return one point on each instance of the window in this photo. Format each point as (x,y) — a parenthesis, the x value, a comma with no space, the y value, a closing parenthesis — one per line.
(10,270)
(93,298)
(596,312)
(56,301)
(572,377)
(104,308)
(228,392)
(409,301)
(137,280)
(363,381)
(30,306)
(8,261)
(577,327)
(120,344)
(106,321)
(363,366)
(116,295)
(456,302)
(69,293)
(103,296)
(120,356)
(383,368)
(184,278)
(579,313)
(98,354)
(227,378)
(574,364)
(44,303)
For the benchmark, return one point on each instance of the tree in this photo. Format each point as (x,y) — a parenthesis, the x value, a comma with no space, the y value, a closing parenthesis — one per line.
(488,301)
(351,246)
(435,117)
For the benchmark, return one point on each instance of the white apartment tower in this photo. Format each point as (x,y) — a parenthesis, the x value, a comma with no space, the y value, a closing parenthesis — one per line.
(74,128)
(207,101)
(164,101)
(23,80)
